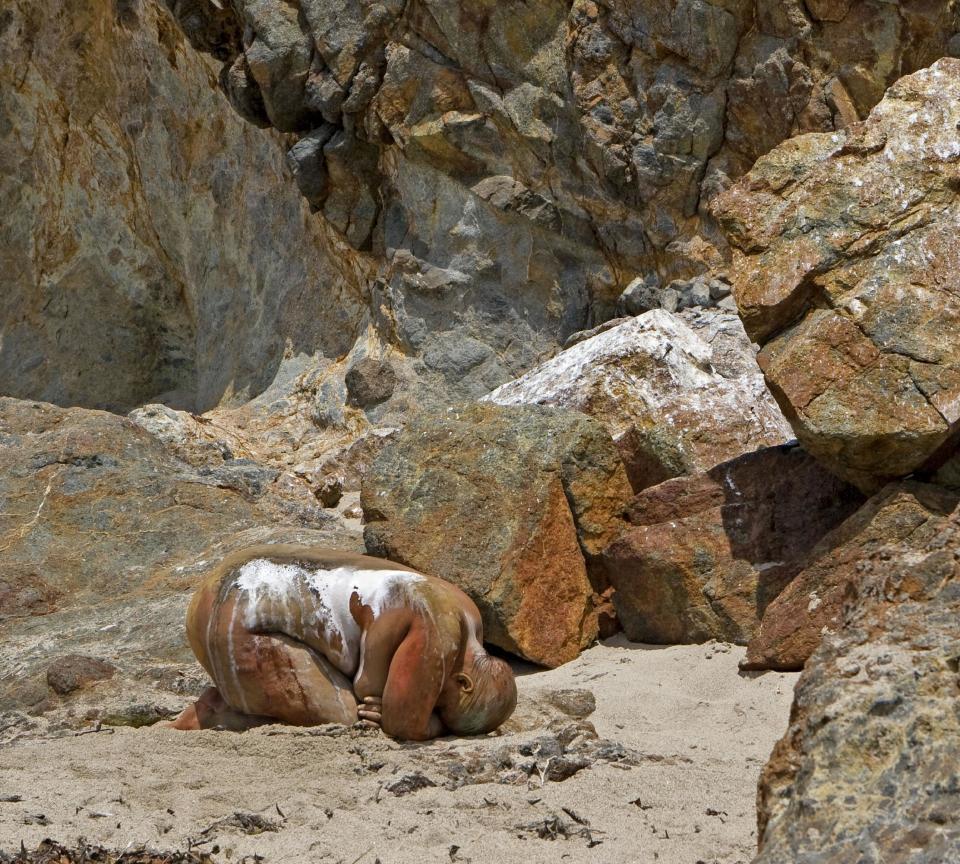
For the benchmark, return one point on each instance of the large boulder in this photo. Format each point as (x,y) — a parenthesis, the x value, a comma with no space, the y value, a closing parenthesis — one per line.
(100,525)
(846,268)
(705,555)
(867,769)
(651,381)
(904,519)
(514,505)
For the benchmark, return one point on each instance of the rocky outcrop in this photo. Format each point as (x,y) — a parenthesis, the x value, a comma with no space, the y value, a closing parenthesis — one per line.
(846,269)
(100,525)
(903,520)
(499,191)
(152,246)
(514,505)
(705,555)
(651,382)
(479,195)
(592,127)
(866,771)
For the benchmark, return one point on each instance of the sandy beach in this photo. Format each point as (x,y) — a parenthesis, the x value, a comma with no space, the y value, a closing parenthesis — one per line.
(670,777)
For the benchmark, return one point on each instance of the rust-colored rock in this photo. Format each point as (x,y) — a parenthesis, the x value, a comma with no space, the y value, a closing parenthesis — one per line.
(846,268)
(898,520)
(514,505)
(708,553)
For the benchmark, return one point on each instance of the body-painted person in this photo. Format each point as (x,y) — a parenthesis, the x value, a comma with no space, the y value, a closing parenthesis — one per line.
(309,636)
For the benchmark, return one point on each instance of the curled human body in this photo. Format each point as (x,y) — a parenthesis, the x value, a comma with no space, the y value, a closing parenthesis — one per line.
(309,636)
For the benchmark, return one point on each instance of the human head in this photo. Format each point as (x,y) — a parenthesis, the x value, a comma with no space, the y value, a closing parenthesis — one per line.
(480,696)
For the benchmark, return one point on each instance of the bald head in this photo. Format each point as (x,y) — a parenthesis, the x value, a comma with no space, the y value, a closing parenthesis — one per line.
(486,699)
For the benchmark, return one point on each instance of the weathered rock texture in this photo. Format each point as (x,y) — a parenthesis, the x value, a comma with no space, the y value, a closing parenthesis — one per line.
(846,269)
(152,246)
(706,554)
(651,382)
(514,505)
(867,769)
(99,526)
(487,176)
(902,519)
(597,129)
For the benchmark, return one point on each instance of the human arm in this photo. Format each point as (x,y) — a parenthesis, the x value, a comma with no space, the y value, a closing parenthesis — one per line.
(414,682)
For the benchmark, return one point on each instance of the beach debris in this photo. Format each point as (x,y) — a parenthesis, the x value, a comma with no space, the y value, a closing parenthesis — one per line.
(50,852)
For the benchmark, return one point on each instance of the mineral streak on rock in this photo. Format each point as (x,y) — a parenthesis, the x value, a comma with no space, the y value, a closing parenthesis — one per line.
(650,381)
(846,268)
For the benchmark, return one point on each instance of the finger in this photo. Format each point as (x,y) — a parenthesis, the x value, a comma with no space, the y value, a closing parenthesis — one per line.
(370,715)
(369,724)
(372,700)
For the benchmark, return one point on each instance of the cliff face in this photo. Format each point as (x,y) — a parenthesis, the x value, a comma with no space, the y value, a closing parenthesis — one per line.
(151,245)
(490,175)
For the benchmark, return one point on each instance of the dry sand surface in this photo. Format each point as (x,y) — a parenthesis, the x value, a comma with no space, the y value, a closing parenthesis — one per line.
(671,777)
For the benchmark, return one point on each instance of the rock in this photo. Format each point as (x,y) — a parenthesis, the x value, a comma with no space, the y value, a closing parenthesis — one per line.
(100,526)
(708,553)
(501,205)
(641,295)
(574,703)
(606,128)
(845,269)
(148,230)
(407,783)
(650,382)
(867,767)
(75,671)
(903,520)
(330,491)
(355,511)
(370,381)
(514,505)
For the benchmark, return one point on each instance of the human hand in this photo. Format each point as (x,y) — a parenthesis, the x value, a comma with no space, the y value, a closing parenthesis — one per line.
(371,711)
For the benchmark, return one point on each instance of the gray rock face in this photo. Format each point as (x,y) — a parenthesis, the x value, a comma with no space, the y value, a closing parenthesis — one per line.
(100,524)
(594,133)
(867,770)
(152,248)
(485,178)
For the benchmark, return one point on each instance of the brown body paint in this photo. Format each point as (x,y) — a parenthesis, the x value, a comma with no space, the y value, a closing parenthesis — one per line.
(288,649)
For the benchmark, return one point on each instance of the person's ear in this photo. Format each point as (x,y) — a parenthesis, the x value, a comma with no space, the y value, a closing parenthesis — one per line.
(465,682)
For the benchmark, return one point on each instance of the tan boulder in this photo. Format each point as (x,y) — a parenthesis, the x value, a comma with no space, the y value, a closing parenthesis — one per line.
(514,505)
(846,268)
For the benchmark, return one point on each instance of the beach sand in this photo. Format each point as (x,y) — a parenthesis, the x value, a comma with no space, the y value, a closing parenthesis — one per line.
(671,777)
